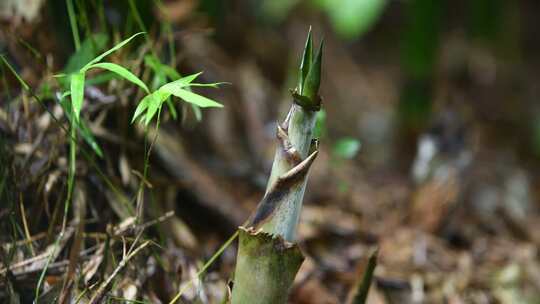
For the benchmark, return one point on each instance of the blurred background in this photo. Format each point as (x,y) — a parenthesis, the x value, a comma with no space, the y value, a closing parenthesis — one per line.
(430,144)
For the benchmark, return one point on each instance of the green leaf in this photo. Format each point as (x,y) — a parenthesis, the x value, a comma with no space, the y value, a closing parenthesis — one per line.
(113,49)
(306,62)
(77,93)
(162,71)
(176,88)
(180,83)
(151,104)
(214,85)
(120,70)
(191,97)
(313,77)
(89,138)
(347,147)
(156,100)
(82,127)
(143,105)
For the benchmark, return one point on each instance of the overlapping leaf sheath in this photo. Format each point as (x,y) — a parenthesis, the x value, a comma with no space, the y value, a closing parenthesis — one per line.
(265,268)
(268,260)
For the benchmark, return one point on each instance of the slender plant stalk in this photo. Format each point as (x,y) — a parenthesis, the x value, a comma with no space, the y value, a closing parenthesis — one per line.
(268,260)
(367,278)
(72,154)
(73,23)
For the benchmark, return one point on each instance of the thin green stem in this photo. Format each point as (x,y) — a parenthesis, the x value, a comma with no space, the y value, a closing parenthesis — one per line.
(73,24)
(367,278)
(44,271)
(72,153)
(138,18)
(72,166)
(147,152)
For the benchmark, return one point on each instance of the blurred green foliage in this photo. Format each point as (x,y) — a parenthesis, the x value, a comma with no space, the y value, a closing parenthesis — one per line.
(419,51)
(346,147)
(350,19)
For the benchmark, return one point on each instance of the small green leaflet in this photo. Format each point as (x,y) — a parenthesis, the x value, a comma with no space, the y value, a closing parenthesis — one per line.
(143,105)
(179,88)
(180,83)
(155,103)
(82,127)
(77,79)
(196,99)
(120,70)
(151,104)
(77,93)
(163,71)
(114,49)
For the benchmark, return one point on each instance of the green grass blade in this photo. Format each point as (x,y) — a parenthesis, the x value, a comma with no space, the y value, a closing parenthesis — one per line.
(120,70)
(21,81)
(180,88)
(112,50)
(77,93)
(73,24)
(211,85)
(196,99)
(179,84)
(143,105)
